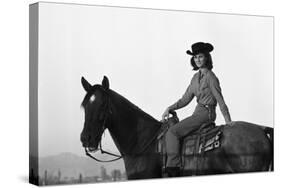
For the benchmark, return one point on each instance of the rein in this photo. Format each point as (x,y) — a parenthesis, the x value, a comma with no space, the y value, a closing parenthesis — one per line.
(91,156)
(109,153)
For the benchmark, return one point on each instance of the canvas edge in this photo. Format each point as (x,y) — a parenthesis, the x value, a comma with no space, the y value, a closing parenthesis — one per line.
(33,93)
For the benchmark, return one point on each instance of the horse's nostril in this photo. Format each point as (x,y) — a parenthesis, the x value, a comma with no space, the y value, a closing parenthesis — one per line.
(83,138)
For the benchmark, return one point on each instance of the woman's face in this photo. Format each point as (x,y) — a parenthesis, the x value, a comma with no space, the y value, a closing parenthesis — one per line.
(200,60)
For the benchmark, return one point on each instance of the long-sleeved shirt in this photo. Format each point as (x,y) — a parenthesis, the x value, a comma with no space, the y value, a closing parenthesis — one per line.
(206,87)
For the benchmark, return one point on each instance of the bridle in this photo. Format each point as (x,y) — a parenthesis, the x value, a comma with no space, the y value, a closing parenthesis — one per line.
(108,113)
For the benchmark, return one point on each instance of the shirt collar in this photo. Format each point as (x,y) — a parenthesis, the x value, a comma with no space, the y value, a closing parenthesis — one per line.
(203,72)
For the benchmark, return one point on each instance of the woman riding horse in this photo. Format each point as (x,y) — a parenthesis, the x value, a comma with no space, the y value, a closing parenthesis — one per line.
(205,86)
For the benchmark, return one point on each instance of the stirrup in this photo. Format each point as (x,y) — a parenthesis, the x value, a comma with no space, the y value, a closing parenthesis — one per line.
(173,171)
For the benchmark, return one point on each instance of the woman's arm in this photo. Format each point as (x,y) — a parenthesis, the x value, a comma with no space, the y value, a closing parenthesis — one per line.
(216,91)
(184,100)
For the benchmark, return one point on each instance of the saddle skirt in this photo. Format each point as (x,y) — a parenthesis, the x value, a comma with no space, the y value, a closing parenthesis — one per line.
(193,146)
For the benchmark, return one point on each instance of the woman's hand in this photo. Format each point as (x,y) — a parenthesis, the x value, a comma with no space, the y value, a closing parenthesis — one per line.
(230,123)
(166,114)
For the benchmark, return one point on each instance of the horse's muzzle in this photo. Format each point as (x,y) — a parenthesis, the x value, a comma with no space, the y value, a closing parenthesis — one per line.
(90,149)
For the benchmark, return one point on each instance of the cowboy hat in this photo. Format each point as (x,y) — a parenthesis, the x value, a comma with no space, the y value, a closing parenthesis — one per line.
(200,47)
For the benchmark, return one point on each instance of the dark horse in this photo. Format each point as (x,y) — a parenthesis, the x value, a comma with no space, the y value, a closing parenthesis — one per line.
(245,147)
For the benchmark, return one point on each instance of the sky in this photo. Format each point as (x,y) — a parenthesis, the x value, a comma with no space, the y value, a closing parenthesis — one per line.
(142,52)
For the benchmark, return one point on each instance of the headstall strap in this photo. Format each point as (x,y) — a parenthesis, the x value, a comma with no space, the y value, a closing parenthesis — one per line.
(107,107)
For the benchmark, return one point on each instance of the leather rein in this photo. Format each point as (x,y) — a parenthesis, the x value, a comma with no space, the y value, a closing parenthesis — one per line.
(105,120)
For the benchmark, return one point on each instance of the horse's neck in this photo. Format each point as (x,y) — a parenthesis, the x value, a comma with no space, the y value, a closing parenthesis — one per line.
(131,128)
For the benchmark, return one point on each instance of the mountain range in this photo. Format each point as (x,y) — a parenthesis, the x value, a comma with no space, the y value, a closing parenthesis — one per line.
(70,165)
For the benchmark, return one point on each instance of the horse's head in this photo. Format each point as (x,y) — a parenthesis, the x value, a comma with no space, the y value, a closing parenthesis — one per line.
(97,108)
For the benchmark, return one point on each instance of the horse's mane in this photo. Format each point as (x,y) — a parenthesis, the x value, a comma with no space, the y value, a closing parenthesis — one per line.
(117,96)
(131,106)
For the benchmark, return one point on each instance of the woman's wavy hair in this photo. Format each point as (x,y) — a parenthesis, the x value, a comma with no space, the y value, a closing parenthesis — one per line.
(209,62)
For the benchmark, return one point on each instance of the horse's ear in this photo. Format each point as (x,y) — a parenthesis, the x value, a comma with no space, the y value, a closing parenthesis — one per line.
(86,85)
(105,83)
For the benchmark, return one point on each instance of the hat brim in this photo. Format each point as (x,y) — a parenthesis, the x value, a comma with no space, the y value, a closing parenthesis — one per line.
(189,52)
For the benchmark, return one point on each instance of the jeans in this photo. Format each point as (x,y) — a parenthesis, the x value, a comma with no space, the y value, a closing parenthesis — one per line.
(181,129)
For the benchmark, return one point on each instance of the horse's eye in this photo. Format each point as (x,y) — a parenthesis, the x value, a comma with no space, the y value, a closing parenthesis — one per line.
(92,98)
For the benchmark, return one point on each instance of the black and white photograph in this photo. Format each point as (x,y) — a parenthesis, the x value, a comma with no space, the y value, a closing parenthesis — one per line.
(139,93)
(142,93)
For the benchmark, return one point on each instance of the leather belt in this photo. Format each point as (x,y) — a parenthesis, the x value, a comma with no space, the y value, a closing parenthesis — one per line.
(209,107)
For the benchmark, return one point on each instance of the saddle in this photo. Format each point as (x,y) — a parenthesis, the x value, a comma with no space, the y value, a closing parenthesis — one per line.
(193,147)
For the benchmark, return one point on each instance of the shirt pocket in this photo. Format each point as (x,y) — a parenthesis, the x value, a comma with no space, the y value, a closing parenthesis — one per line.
(204,86)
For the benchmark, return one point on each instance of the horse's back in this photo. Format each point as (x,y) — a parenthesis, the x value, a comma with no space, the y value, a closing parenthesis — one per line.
(242,132)
(247,147)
